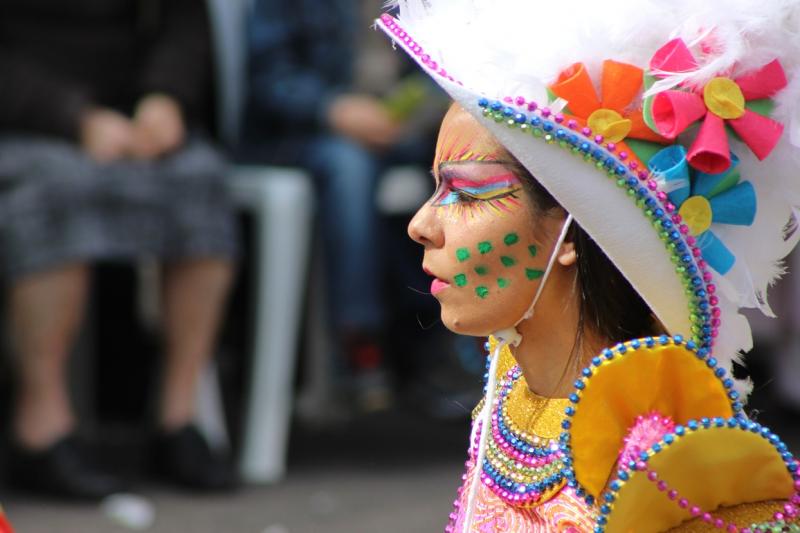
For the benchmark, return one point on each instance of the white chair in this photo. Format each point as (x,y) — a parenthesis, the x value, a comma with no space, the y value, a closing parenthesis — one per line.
(280,200)
(281,203)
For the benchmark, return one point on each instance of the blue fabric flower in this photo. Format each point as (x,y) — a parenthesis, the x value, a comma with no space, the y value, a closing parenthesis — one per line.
(705,199)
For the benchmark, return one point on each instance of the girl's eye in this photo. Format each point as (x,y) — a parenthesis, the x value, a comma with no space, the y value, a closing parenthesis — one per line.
(453,196)
(454,190)
(465,198)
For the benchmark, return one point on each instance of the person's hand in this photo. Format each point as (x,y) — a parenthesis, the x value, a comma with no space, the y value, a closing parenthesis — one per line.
(105,134)
(158,127)
(363,119)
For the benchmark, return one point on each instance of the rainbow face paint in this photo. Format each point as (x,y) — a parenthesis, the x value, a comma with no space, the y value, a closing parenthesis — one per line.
(496,193)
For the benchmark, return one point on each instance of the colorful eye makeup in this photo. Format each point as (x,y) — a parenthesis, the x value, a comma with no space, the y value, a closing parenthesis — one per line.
(498,193)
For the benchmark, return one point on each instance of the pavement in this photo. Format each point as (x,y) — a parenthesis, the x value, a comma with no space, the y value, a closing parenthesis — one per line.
(393,472)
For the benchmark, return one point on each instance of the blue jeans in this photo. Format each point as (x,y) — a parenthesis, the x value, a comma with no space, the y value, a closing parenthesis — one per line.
(346,176)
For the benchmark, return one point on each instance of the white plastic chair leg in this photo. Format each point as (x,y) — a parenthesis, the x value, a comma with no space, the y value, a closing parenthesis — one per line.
(281,202)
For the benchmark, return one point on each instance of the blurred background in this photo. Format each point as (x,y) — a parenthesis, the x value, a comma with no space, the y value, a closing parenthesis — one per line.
(213,318)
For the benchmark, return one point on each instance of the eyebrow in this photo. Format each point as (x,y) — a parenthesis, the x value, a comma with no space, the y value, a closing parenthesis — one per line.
(457,162)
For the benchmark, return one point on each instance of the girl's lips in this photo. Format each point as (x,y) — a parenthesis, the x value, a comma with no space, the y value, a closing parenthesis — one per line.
(438,285)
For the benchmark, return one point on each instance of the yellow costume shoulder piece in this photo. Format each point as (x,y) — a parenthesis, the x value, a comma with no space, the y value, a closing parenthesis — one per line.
(658,440)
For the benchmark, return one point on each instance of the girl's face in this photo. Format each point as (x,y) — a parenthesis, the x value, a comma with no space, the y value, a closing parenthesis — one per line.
(479,231)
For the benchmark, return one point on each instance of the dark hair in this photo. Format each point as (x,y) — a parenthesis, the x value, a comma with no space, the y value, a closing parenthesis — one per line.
(608,303)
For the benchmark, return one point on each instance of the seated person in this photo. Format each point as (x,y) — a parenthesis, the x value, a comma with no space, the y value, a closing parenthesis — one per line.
(102,157)
(325,94)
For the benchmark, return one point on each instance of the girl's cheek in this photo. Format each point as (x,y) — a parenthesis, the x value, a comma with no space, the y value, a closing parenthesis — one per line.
(490,267)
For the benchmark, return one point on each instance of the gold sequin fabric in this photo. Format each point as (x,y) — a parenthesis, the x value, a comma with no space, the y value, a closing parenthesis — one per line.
(743,515)
(537,421)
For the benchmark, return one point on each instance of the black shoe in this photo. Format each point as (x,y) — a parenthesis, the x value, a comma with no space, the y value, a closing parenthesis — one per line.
(64,471)
(183,457)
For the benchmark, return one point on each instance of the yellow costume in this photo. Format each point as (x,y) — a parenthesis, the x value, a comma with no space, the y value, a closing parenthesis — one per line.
(732,469)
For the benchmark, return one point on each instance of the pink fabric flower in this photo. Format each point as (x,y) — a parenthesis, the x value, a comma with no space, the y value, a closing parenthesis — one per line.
(718,103)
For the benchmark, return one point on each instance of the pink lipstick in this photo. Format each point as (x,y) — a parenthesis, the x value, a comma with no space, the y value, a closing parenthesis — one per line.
(438,285)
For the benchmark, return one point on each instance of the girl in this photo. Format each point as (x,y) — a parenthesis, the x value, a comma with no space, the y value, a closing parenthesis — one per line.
(612,184)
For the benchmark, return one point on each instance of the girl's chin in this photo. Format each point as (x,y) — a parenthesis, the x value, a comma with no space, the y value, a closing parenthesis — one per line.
(481,318)
(473,325)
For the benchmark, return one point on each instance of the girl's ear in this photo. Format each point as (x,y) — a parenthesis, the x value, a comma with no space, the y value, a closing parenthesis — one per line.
(567,256)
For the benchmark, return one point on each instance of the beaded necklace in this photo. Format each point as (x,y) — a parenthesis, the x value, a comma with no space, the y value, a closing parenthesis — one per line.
(521,468)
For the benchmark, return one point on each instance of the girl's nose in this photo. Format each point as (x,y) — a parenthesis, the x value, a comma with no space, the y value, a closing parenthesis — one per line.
(425,228)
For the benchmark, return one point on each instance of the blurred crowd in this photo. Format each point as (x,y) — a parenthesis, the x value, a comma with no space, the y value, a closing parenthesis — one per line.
(110,153)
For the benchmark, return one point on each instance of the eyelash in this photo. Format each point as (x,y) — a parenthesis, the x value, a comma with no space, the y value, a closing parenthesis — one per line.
(443,198)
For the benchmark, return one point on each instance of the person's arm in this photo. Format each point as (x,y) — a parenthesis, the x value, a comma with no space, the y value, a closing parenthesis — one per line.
(282,86)
(35,100)
(179,63)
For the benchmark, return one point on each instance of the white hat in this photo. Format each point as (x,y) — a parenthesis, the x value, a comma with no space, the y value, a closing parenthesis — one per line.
(668,130)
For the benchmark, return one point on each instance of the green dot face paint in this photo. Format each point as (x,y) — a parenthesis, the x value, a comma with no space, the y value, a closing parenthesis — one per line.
(533,273)
(485,247)
(511,239)
(508,261)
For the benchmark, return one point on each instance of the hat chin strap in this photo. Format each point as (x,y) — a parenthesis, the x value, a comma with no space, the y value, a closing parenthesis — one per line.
(507,336)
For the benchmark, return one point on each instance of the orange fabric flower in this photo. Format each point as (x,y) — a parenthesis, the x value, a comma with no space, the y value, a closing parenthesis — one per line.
(610,116)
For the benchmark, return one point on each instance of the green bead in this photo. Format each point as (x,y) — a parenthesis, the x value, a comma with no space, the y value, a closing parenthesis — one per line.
(460,279)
